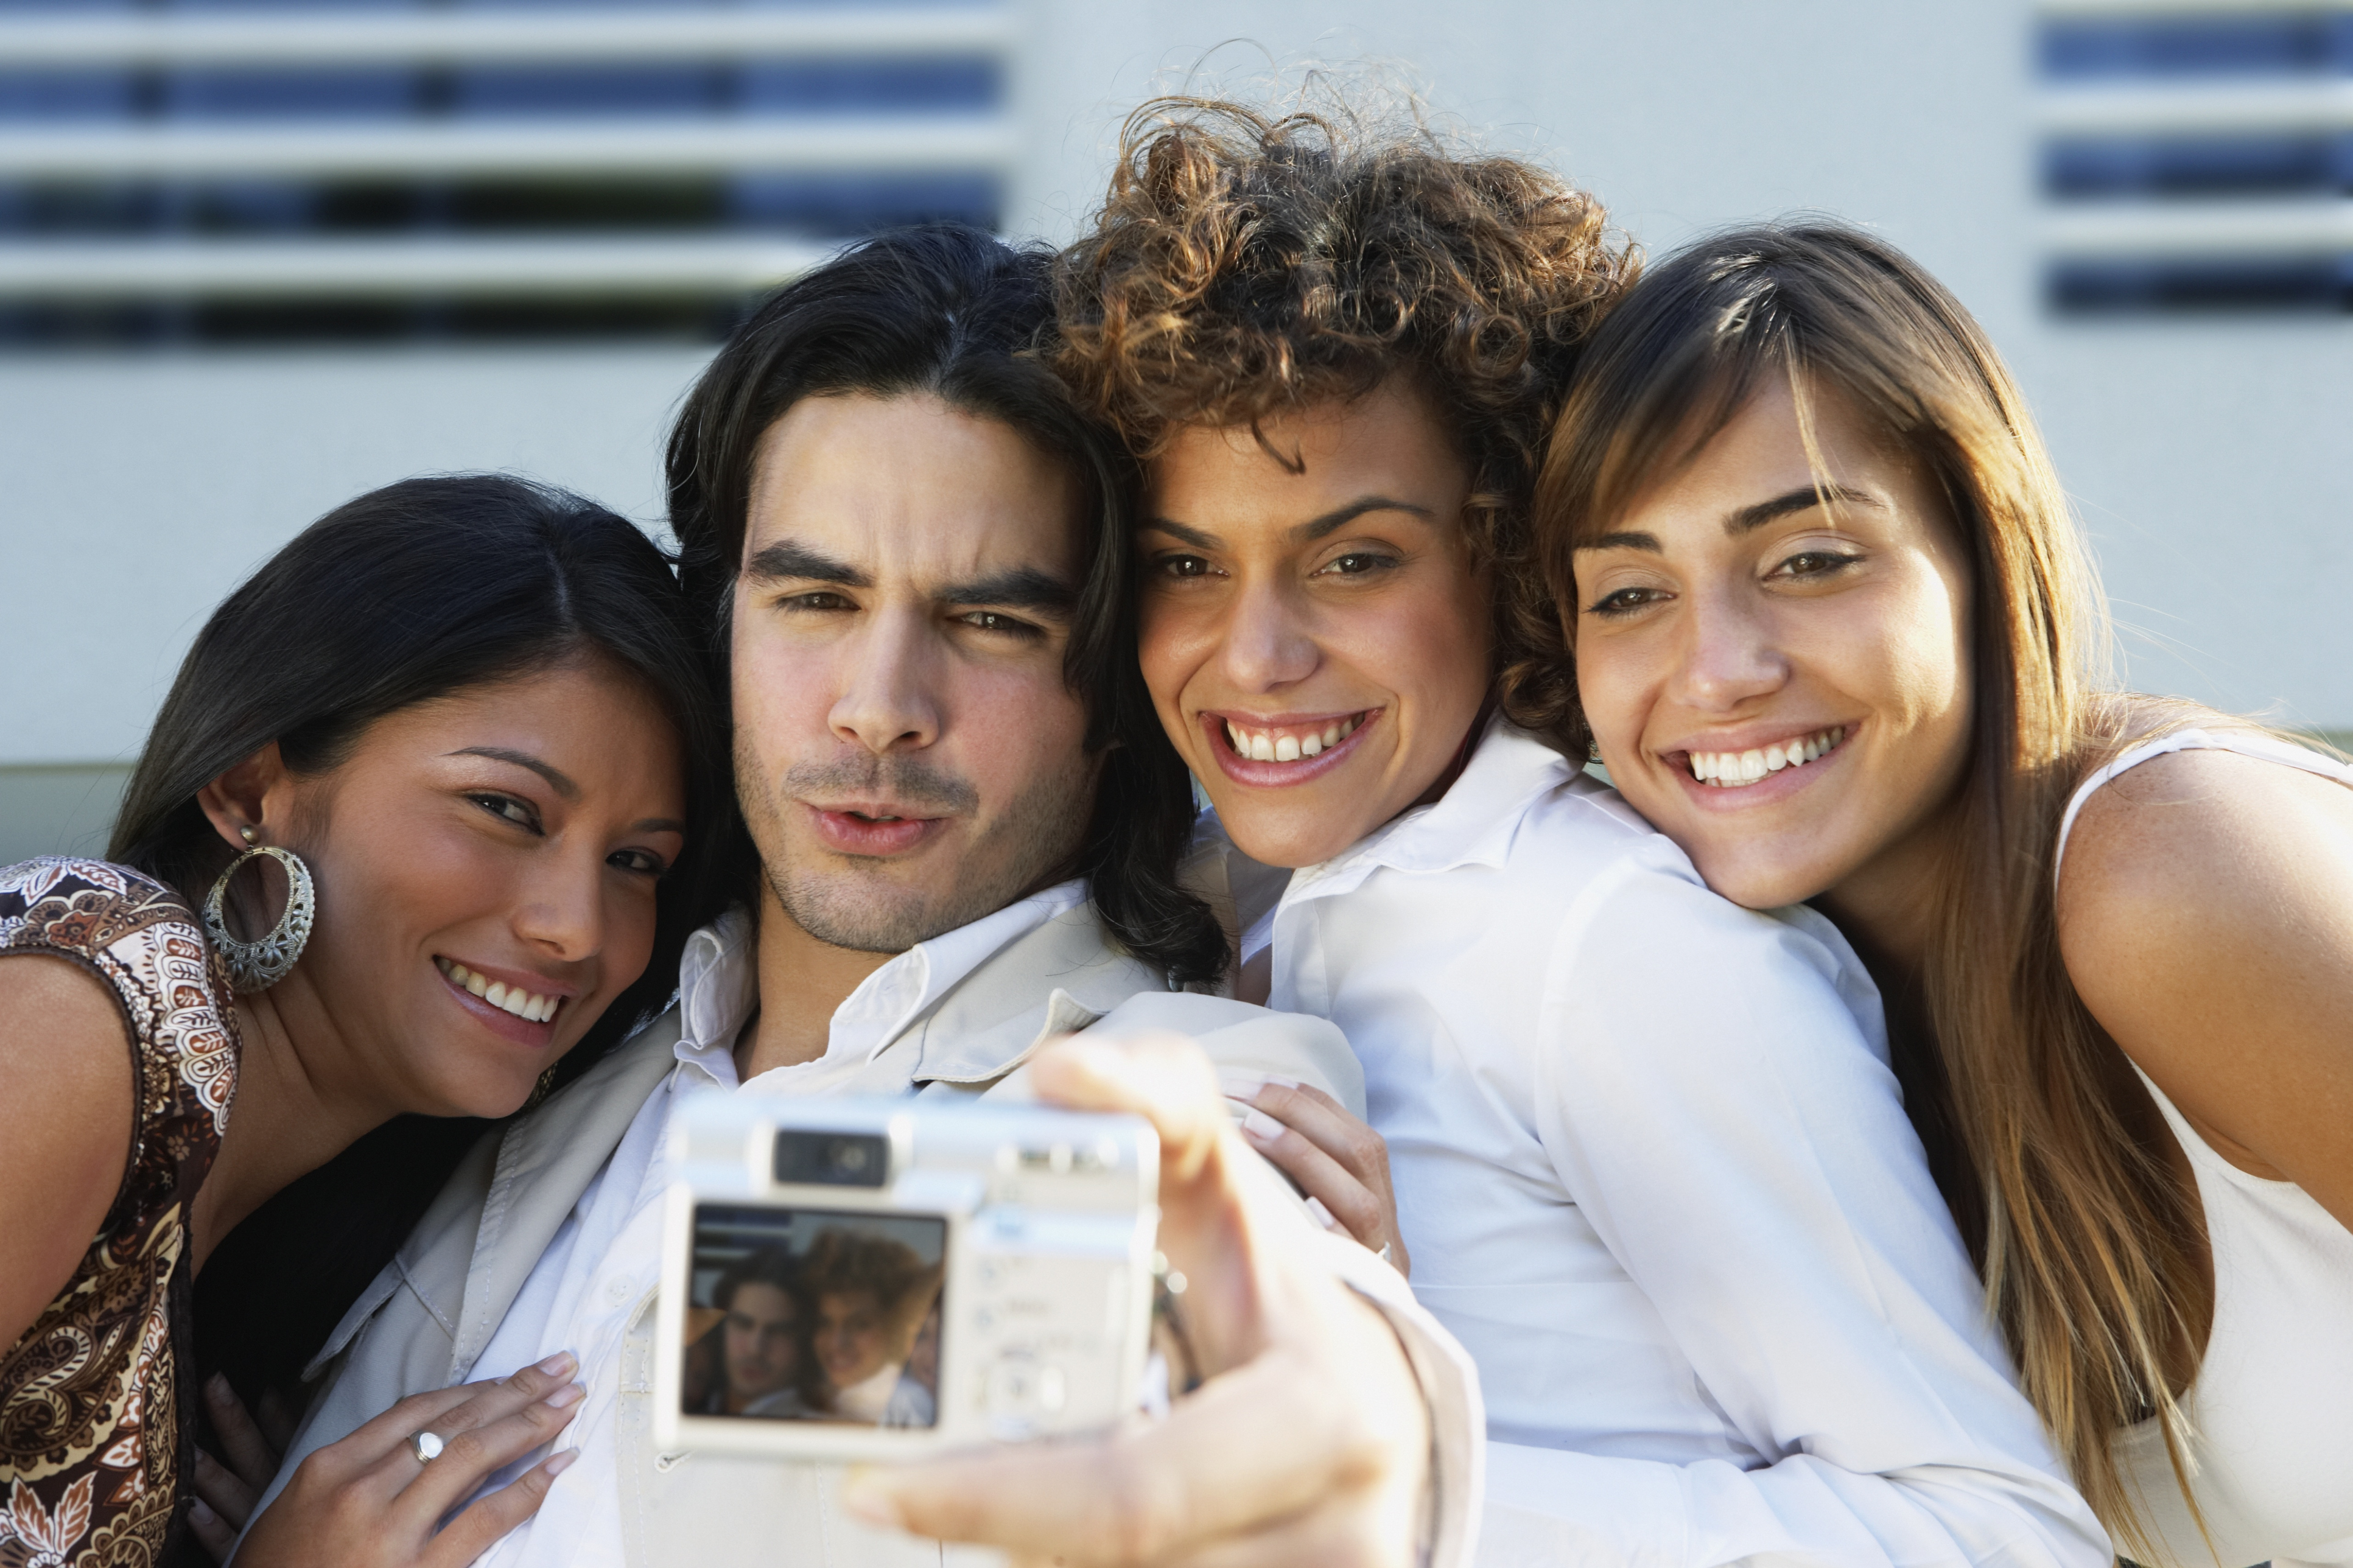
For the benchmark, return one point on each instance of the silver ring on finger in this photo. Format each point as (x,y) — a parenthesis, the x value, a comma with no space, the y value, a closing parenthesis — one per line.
(426,1447)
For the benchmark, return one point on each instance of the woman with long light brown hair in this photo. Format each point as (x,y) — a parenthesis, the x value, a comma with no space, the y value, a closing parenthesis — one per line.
(1648,1160)
(1836,636)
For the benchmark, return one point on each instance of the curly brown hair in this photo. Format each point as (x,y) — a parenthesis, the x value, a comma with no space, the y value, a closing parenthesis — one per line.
(1245,263)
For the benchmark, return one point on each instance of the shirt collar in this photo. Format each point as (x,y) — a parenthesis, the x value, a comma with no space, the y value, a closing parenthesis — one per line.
(719,983)
(1471,824)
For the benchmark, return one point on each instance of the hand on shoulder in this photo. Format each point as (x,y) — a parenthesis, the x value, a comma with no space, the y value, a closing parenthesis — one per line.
(2206,919)
(65,1126)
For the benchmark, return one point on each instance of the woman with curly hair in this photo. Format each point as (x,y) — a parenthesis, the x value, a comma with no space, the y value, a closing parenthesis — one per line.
(1648,1157)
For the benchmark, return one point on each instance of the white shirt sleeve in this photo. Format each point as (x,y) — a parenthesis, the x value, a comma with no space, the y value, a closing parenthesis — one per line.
(1715,1109)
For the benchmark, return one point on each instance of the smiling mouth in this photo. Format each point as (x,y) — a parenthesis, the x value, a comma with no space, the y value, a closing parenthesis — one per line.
(1291,743)
(1737,770)
(528,1005)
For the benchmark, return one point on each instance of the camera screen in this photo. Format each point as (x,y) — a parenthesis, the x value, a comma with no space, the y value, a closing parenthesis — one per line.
(796,1314)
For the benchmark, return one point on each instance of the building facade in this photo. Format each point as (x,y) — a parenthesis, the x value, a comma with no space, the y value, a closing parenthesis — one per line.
(256,256)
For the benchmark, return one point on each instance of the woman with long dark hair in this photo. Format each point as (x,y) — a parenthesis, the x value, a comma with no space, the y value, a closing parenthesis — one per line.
(1838,638)
(413,838)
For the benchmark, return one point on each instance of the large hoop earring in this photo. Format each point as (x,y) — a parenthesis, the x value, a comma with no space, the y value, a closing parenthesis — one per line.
(262,964)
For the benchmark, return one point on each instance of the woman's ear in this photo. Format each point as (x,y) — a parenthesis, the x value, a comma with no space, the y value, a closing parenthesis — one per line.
(257,794)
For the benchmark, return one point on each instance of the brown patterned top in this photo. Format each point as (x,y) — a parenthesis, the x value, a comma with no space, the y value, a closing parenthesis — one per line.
(94,1415)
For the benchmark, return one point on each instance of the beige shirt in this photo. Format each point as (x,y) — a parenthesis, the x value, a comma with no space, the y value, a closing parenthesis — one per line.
(428,1319)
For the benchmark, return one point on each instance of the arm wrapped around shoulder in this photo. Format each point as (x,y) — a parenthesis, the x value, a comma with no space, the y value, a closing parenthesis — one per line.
(1715,1097)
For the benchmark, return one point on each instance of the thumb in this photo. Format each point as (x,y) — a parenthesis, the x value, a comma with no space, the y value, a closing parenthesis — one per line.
(1161,1077)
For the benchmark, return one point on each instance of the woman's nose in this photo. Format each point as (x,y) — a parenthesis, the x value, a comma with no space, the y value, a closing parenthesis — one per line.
(1729,656)
(1268,641)
(562,911)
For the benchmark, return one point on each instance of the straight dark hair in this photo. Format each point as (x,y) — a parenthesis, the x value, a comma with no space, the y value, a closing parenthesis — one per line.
(410,592)
(958,314)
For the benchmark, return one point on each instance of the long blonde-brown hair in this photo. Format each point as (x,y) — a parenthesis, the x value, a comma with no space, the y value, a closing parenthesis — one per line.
(2050,1154)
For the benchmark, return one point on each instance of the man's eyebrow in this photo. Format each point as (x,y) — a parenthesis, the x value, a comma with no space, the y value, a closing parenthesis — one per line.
(786,561)
(1308,532)
(560,781)
(1805,498)
(1016,588)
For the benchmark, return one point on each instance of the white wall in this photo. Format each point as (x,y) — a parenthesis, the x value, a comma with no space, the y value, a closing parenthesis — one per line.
(2210,459)
(136,490)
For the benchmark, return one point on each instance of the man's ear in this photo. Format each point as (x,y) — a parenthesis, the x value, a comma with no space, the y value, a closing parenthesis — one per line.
(257,793)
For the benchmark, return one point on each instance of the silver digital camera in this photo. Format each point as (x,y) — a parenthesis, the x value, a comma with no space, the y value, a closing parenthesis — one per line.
(878,1278)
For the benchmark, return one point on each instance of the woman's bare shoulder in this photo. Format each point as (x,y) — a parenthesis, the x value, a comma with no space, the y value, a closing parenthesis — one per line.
(2202,829)
(2206,920)
(66,1114)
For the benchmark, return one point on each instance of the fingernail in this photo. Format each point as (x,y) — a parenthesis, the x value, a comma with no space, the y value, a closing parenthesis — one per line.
(559,1463)
(558,1365)
(1282,1082)
(1323,1215)
(865,1495)
(1242,1086)
(568,1394)
(1259,1124)
(201,1511)
(216,1385)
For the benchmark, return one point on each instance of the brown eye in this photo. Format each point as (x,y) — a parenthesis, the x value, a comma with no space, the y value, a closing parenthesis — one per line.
(507,808)
(1183,566)
(1816,563)
(1625,601)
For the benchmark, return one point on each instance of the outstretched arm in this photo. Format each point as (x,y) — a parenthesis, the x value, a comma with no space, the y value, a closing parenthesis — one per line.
(65,1126)
(2206,917)
(1310,1441)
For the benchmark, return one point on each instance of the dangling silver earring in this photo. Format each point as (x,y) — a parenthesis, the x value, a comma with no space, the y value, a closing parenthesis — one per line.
(262,964)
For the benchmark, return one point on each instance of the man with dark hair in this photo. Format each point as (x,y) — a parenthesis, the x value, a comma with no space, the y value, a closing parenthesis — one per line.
(761,1337)
(964,832)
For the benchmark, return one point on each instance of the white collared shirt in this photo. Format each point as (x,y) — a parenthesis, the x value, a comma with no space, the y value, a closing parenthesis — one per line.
(590,1282)
(1655,1175)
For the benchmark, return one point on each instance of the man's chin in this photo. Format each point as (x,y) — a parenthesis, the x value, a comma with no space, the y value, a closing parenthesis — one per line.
(855,914)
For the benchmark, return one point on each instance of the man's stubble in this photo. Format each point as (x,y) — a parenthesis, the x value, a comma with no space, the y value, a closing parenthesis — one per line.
(858,903)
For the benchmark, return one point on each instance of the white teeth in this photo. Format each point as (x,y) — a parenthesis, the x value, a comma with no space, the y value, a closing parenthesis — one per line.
(1270,746)
(523,1003)
(1732,770)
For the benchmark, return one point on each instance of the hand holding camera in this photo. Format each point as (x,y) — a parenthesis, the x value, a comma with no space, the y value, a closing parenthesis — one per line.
(1308,1440)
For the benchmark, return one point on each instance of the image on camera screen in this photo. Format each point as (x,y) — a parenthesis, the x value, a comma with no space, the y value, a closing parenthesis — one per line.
(798,1314)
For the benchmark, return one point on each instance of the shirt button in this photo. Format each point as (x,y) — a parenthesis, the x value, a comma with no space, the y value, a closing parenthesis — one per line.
(618,1291)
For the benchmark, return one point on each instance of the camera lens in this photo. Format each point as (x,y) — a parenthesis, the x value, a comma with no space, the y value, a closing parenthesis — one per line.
(833,1159)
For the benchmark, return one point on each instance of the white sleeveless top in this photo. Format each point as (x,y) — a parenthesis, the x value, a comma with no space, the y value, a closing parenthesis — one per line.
(2273,1403)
